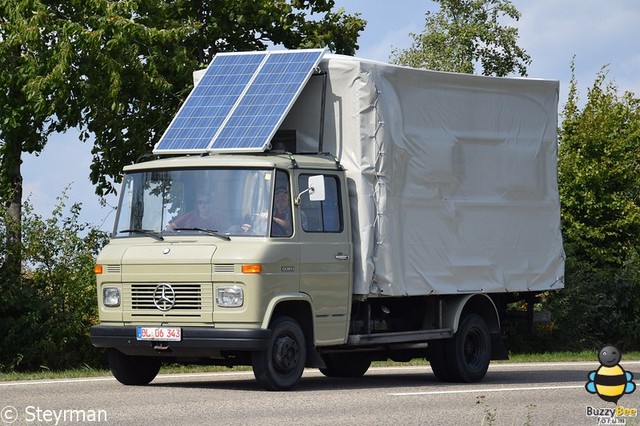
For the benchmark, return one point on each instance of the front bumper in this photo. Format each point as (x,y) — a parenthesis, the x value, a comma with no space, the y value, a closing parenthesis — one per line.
(196,341)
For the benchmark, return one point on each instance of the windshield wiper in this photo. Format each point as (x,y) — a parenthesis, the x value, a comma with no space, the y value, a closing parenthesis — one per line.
(147,232)
(211,232)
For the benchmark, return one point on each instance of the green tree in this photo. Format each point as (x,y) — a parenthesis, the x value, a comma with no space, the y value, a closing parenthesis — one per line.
(599,182)
(62,61)
(599,174)
(46,315)
(119,69)
(464,34)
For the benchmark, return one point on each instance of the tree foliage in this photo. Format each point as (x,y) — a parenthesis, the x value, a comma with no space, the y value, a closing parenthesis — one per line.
(464,34)
(46,313)
(599,174)
(599,182)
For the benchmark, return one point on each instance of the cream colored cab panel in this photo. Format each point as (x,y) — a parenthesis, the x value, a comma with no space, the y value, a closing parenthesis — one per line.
(325,257)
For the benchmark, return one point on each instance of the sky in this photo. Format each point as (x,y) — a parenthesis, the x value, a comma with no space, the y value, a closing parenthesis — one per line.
(552,32)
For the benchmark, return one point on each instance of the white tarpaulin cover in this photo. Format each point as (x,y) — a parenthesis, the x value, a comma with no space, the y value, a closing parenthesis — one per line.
(453,179)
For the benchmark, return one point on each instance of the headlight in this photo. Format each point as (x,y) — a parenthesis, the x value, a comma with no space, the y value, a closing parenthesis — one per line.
(111,297)
(230,297)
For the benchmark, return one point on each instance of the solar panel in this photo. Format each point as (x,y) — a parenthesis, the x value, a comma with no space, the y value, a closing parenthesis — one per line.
(267,100)
(210,102)
(240,102)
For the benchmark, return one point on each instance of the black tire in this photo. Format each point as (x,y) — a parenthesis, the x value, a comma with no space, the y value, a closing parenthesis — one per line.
(437,356)
(470,350)
(346,364)
(132,370)
(280,366)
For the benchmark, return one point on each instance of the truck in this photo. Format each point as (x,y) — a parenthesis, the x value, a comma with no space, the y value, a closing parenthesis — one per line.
(391,213)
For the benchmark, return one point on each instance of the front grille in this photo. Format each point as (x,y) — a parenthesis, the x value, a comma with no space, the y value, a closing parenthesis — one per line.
(188,296)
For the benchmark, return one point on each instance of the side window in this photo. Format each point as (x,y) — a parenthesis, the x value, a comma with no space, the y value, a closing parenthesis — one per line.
(321,216)
(281,223)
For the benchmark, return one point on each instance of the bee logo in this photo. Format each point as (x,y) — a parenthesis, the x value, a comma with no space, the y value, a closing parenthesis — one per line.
(610,381)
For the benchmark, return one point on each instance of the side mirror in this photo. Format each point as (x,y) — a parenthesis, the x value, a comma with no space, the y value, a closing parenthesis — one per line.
(316,188)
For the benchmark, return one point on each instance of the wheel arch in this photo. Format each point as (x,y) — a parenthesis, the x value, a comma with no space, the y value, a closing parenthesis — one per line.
(480,304)
(296,306)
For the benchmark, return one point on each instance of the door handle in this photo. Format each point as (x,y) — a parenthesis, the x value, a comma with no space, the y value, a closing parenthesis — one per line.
(342,256)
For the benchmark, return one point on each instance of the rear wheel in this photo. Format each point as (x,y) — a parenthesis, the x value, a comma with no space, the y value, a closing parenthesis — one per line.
(346,364)
(438,360)
(280,366)
(132,370)
(470,350)
(466,356)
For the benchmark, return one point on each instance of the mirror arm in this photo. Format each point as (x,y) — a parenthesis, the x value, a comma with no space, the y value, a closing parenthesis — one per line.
(310,190)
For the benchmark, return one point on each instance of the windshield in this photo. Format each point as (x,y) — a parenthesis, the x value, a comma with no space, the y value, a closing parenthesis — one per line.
(219,202)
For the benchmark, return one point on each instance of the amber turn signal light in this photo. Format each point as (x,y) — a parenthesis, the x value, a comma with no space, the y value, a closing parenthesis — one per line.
(251,269)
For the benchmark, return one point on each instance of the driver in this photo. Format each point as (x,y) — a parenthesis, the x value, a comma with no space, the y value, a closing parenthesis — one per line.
(281,218)
(204,216)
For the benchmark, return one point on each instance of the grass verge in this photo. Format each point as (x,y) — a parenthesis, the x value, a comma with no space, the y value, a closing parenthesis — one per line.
(46,374)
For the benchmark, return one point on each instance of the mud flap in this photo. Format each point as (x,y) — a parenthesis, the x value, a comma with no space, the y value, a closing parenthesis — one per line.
(314,359)
(499,349)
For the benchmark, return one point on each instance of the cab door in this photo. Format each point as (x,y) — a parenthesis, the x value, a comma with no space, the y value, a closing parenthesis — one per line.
(326,256)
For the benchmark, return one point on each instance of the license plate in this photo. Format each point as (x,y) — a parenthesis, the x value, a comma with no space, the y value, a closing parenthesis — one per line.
(170,334)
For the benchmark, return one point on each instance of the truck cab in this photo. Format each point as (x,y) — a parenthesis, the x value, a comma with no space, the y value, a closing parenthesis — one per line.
(209,251)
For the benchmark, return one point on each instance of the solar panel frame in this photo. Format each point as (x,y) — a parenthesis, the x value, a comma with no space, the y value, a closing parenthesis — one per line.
(240,102)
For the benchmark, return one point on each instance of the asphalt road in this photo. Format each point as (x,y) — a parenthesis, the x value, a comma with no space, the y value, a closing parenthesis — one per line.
(511,394)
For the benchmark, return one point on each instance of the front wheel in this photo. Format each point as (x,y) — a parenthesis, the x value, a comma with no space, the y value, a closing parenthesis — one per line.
(132,370)
(280,366)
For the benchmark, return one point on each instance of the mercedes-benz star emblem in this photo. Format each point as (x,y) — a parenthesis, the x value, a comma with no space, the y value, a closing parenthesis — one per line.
(164,297)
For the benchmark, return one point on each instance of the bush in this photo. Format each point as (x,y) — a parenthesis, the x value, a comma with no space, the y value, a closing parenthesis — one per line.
(46,314)
(596,308)
(599,307)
